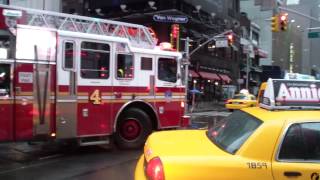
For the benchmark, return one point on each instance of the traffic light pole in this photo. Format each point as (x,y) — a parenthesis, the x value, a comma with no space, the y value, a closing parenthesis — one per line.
(247,72)
(209,40)
(186,61)
(299,13)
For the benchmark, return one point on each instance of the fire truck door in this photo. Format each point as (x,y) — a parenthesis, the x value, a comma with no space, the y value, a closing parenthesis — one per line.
(34,68)
(42,98)
(6,102)
(94,89)
(66,122)
(32,104)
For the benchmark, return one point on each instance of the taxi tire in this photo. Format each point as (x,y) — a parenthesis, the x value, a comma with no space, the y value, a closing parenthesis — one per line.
(145,129)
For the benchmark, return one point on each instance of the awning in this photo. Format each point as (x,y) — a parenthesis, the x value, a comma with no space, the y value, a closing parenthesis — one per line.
(261,53)
(207,75)
(225,78)
(193,74)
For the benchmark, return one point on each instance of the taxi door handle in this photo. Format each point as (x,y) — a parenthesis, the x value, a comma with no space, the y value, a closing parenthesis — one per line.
(292,173)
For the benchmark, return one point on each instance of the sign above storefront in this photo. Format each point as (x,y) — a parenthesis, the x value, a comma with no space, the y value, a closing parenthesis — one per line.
(179,19)
(214,69)
(222,43)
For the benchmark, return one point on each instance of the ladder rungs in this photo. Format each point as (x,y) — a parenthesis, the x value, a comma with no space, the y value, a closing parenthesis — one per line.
(138,35)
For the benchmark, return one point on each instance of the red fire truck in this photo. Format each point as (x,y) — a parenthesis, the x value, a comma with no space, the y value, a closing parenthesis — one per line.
(68,77)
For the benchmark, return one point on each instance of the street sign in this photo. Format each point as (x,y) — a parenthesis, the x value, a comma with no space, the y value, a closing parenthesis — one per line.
(179,19)
(222,43)
(313,34)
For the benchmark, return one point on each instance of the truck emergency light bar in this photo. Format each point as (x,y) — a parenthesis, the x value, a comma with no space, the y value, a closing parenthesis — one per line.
(291,94)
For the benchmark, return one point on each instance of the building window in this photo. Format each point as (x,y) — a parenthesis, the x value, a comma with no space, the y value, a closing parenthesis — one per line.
(125,66)
(95,60)
(146,63)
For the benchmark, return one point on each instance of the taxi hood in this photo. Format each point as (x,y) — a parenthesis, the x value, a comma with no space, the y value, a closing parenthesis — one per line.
(181,143)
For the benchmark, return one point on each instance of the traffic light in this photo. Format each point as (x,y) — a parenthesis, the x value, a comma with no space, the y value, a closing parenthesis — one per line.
(275,23)
(283,22)
(230,39)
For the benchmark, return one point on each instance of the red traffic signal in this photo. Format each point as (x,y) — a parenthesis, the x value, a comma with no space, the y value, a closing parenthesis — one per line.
(283,22)
(230,39)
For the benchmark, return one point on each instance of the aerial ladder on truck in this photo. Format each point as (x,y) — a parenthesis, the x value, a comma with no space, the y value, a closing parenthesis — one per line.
(138,35)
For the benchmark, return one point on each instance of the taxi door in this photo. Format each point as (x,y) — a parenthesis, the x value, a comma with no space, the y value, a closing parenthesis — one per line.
(298,153)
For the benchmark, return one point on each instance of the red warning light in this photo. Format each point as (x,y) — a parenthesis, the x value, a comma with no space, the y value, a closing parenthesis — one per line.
(283,17)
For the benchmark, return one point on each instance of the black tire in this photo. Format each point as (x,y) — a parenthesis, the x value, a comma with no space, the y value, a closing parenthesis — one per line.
(230,110)
(133,128)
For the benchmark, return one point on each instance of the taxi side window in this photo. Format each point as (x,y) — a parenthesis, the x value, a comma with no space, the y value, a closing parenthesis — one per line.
(302,143)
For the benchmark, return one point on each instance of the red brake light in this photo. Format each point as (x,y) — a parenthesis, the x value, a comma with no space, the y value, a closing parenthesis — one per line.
(227,101)
(154,169)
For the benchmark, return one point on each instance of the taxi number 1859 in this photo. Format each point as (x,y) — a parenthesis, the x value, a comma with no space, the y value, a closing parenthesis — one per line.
(257,165)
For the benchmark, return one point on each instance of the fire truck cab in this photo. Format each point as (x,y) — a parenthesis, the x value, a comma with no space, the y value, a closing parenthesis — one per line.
(72,77)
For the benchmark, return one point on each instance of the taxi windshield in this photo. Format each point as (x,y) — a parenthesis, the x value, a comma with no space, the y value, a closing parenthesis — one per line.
(240,96)
(233,131)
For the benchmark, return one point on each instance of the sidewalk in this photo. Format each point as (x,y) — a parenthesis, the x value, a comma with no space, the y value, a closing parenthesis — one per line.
(208,106)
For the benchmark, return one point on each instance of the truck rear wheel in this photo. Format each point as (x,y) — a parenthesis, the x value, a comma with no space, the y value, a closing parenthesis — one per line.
(133,128)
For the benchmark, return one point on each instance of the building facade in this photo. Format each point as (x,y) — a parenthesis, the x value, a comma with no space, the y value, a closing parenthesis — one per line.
(172,20)
(259,17)
(36,4)
(212,67)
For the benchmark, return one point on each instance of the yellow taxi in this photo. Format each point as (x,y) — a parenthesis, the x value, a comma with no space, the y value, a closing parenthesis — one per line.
(278,140)
(240,101)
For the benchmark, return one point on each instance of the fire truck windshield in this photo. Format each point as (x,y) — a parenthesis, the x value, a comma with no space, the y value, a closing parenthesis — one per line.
(167,70)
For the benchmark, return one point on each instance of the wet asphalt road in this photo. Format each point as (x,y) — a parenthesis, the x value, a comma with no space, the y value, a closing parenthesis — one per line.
(94,163)
(21,161)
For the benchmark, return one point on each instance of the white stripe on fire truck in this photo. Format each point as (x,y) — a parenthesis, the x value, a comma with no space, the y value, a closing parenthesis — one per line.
(83,97)
(31,97)
(130,97)
(36,62)
(24,97)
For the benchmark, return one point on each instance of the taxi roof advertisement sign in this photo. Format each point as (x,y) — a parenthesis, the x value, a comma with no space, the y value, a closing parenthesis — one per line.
(296,93)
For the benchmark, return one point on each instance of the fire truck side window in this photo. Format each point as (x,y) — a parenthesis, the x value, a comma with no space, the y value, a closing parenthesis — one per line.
(69,55)
(95,60)
(167,69)
(4,80)
(125,66)
(146,63)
